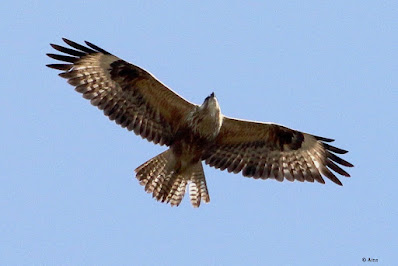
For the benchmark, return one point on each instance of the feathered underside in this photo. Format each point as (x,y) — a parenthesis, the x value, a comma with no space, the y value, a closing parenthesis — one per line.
(136,100)
(127,94)
(261,150)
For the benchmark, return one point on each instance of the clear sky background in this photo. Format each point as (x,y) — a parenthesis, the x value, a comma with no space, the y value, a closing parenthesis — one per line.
(68,194)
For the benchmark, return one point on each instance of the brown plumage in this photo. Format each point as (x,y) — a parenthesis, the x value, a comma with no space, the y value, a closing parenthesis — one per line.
(136,100)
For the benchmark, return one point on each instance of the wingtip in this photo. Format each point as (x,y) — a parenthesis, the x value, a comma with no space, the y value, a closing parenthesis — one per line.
(51,55)
(96,48)
(323,139)
(68,42)
(337,182)
(53,66)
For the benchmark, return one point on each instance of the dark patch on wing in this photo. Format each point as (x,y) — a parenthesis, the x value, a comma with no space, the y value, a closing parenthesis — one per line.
(287,139)
(122,71)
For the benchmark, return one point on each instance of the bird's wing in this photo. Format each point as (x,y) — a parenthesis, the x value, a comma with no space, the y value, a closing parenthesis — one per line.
(262,150)
(126,93)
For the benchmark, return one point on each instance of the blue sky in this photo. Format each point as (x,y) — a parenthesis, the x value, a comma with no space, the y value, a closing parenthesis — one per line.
(68,194)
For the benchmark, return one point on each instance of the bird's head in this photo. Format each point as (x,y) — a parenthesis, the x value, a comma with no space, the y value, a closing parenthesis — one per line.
(210,100)
(210,104)
(206,120)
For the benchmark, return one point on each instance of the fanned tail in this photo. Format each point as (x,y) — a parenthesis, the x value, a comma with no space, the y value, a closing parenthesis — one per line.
(160,177)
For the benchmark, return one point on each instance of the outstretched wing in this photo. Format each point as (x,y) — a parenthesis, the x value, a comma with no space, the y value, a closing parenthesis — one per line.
(264,151)
(126,93)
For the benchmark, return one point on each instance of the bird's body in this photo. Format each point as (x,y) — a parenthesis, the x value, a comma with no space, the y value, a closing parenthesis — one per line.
(194,133)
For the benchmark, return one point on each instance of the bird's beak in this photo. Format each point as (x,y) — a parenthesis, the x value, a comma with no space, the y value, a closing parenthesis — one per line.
(212,95)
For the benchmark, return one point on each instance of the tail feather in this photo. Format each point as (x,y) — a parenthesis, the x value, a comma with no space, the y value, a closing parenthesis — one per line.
(177,191)
(197,186)
(160,178)
(194,194)
(167,185)
(152,180)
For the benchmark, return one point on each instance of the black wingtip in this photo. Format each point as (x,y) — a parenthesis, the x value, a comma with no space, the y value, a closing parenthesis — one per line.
(66,40)
(337,182)
(334,149)
(95,47)
(79,47)
(337,159)
(65,58)
(336,168)
(323,139)
(64,67)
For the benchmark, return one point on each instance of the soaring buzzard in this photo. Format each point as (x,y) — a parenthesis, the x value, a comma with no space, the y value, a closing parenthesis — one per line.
(136,100)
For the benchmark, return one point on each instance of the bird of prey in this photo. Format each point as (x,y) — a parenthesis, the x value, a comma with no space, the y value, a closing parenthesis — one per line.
(136,100)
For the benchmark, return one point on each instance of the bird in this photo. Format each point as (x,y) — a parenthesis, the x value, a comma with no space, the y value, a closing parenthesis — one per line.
(137,101)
